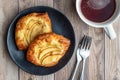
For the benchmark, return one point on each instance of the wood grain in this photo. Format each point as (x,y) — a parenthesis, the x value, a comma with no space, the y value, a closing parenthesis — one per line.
(96,58)
(44,3)
(112,55)
(7,67)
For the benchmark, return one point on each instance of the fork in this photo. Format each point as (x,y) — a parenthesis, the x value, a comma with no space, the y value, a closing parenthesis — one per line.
(78,61)
(84,46)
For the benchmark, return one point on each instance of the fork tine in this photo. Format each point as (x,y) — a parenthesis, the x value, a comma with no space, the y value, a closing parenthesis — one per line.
(82,43)
(89,43)
(85,42)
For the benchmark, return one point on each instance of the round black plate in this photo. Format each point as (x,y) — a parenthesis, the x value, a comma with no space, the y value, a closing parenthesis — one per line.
(60,25)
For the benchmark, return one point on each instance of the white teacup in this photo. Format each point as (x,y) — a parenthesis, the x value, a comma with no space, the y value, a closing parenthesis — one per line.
(107,25)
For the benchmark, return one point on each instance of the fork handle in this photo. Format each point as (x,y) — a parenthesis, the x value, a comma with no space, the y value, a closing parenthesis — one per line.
(82,75)
(74,73)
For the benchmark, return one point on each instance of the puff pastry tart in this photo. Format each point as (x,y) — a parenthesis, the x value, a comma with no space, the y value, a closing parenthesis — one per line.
(47,49)
(30,26)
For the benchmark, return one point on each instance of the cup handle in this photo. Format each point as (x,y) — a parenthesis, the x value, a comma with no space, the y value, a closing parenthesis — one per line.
(110,31)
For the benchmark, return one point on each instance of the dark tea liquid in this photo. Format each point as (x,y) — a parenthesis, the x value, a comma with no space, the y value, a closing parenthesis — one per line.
(98,14)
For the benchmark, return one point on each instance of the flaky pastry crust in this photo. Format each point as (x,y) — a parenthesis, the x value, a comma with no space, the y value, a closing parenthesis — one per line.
(30,26)
(47,49)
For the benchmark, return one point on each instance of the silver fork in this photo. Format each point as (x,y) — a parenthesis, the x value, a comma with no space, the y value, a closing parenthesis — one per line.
(84,51)
(78,61)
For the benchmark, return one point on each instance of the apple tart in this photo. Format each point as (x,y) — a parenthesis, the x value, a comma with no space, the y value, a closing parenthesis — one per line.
(30,26)
(47,49)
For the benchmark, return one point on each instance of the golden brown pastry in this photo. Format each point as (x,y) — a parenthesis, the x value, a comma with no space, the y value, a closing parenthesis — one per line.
(30,26)
(47,49)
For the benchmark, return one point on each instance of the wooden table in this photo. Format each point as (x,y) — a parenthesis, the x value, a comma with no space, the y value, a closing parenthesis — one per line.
(102,64)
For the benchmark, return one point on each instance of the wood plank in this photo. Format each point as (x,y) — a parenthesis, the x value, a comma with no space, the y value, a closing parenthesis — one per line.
(43,3)
(23,4)
(96,58)
(112,55)
(27,76)
(7,13)
(67,7)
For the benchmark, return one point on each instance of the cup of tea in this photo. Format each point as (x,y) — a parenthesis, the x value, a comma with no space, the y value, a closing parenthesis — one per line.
(99,14)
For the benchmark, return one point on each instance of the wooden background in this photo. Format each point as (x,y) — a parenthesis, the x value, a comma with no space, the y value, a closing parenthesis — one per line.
(102,64)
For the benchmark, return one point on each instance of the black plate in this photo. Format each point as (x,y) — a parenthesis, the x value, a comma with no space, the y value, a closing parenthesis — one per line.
(60,25)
